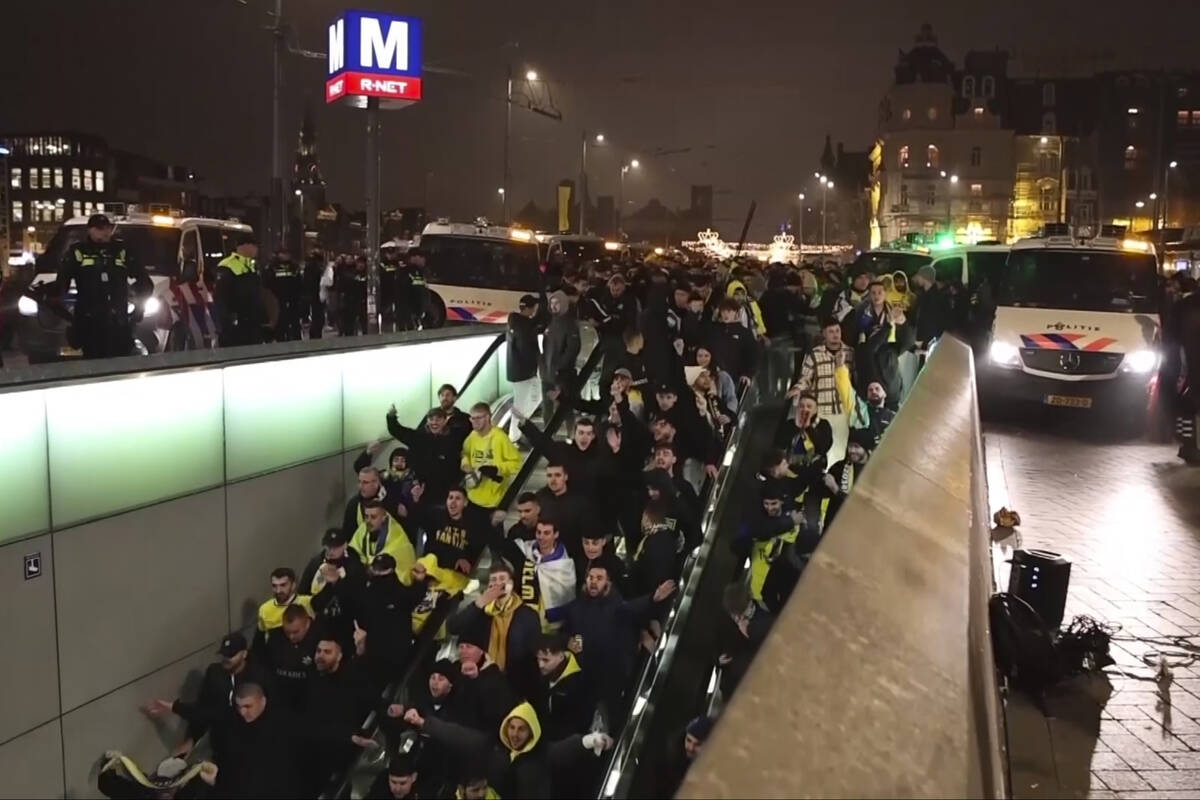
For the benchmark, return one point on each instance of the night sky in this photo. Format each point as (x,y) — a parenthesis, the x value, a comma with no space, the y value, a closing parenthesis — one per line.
(751,87)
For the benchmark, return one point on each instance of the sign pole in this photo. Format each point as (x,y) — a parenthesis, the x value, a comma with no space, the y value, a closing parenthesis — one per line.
(372,244)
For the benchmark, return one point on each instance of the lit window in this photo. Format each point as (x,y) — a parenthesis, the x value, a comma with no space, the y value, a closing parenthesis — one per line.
(976,189)
(968,86)
(34,183)
(976,156)
(58,178)
(930,194)
(1195,118)
(904,195)
(76,209)
(18,211)
(989,86)
(45,177)
(931,113)
(99,180)
(904,157)
(1049,201)
(906,115)
(15,177)
(87,180)
(1181,118)
(931,156)
(58,212)
(978,110)
(87,207)
(1048,94)
(76,181)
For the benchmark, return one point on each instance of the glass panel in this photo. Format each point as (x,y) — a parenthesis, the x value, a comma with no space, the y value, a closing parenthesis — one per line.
(99,180)
(119,444)
(23,465)
(281,413)
(375,379)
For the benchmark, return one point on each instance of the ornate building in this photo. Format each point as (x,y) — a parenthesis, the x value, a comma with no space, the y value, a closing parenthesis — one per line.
(308,186)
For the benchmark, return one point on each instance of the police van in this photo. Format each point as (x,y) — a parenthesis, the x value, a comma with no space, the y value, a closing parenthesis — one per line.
(478,272)
(1077,325)
(181,256)
(574,250)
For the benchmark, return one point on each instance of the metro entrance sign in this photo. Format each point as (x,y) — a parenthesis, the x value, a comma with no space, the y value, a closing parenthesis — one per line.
(372,54)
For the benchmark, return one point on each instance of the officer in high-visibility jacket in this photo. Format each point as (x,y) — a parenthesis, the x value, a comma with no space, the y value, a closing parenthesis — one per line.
(237,297)
(102,267)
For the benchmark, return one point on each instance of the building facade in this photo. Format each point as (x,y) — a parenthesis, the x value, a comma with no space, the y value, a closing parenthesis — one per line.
(53,176)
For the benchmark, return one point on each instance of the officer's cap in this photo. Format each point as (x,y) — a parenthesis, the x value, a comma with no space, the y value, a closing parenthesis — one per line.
(247,238)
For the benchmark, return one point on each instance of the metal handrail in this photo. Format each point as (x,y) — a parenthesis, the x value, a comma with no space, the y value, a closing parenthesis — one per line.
(427,643)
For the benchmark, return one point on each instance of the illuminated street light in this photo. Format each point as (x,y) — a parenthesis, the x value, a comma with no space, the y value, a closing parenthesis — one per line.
(1153,196)
(1173,164)
(634,163)
(1045,139)
(31,229)
(816,174)
(943,173)
(297,193)
(801,195)
(500,191)
(954,179)
(531,75)
(1140,204)
(599,138)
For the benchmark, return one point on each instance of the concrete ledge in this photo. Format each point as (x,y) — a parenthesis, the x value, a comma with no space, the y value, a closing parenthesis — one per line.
(876,680)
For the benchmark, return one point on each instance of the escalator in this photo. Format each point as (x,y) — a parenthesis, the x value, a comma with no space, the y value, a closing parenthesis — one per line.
(679,681)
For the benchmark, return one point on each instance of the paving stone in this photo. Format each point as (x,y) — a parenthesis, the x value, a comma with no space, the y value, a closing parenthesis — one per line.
(1121,781)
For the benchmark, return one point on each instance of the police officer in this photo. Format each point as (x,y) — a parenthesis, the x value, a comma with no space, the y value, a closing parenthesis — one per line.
(411,305)
(352,288)
(237,298)
(102,268)
(282,277)
(389,286)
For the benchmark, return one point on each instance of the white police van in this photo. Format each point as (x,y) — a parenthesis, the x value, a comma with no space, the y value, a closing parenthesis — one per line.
(478,272)
(181,256)
(1077,325)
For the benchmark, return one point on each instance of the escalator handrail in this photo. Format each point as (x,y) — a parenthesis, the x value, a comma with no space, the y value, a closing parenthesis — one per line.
(426,642)
(632,733)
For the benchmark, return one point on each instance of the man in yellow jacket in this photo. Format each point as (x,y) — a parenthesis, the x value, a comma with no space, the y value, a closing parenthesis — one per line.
(489,459)
(381,533)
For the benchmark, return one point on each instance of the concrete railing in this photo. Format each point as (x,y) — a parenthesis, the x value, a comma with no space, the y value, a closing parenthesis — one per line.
(877,679)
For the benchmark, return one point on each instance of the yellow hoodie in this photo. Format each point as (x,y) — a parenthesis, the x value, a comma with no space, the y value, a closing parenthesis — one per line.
(494,449)
(895,297)
(756,319)
(524,712)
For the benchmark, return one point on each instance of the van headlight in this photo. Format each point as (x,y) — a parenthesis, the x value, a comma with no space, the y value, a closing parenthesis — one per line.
(1140,362)
(152,306)
(1004,354)
(27,306)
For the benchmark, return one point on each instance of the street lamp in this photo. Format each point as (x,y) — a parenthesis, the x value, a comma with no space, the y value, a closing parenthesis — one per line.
(531,75)
(800,224)
(826,185)
(599,139)
(1166,215)
(633,164)
(300,195)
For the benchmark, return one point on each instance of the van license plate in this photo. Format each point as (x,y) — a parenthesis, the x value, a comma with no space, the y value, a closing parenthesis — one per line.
(1067,402)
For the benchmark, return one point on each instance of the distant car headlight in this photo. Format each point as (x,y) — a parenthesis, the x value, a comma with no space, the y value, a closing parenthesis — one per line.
(27,306)
(152,306)
(1140,361)
(1004,354)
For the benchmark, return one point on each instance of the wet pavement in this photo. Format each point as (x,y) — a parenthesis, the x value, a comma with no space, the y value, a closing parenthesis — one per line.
(1126,513)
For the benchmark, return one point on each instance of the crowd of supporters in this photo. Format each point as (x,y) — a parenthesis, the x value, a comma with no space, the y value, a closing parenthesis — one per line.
(551,615)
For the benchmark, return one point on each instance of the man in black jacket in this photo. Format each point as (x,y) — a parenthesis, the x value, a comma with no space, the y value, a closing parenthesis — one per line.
(587,460)
(335,578)
(266,750)
(212,711)
(565,704)
(881,334)
(529,511)
(289,658)
(570,510)
(437,453)
(383,633)
(440,699)
(453,536)
(602,632)
(522,362)
(337,700)
(398,781)
(732,343)
(458,421)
